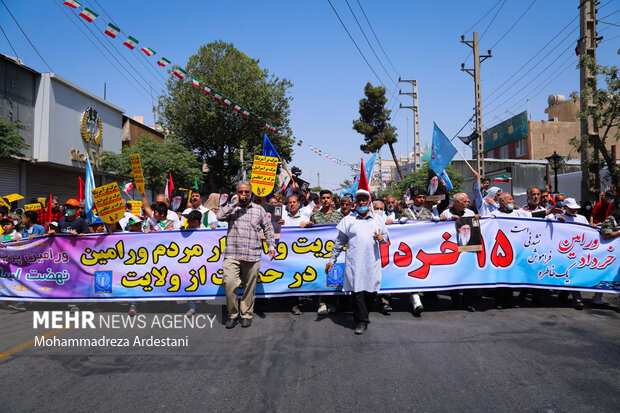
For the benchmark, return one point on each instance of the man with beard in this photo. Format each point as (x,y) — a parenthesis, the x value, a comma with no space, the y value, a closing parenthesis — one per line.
(464,235)
(436,187)
(176,203)
(391,214)
(345,205)
(417,210)
(459,208)
(170,215)
(362,235)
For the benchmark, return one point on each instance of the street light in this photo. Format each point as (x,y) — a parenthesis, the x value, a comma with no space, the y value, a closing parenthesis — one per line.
(555,163)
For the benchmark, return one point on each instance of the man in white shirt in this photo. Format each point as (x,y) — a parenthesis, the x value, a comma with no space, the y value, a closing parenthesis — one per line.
(507,208)
(196,205)
(570,213)
(460,202)
(293,216)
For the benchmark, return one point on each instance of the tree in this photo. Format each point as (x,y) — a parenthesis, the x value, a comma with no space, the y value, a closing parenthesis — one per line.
(216,132)
(316,189)
(374,124)
(11,142)
(158,160)
(604,113)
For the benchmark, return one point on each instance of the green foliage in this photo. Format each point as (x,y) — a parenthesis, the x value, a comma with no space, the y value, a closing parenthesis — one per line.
(316,189)
(11,143)
(158,159)
(604,110)
(215,132)
(374,124)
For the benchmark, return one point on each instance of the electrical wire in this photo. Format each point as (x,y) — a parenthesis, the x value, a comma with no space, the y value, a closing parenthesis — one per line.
(26,36)
(104,55)
(7,39)
(532,58)
(485,30)
(482,18)
(369,44)
(513,25)
(377,38)
(610,14)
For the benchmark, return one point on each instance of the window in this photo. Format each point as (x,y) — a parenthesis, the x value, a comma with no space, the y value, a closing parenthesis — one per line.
(503,152)
(521,148)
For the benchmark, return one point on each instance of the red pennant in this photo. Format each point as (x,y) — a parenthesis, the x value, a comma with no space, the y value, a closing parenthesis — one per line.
(363,180)
(81,189)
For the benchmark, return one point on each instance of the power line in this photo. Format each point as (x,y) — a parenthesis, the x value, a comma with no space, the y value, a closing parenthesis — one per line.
(26,36)
(610,14)
(482,18)
(532,58)
(376,38)
(356,46)
(486,29)
(514,24)
(7,39)
(612,24)
(103,54)
(368,41)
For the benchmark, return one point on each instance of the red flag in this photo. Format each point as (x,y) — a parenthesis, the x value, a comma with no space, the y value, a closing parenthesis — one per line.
(81,186)
(363,180)
(48,213)
(171,184)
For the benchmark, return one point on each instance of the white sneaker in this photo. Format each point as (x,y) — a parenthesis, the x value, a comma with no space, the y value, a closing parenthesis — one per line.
(322,309)
(190,313)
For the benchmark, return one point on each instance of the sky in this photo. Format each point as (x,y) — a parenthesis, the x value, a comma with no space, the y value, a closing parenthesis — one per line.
(304,41)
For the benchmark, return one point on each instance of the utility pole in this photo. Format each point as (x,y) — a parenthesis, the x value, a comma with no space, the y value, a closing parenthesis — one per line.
(242,171)
(318,179)
(417,151)
(475,72)
(587,46)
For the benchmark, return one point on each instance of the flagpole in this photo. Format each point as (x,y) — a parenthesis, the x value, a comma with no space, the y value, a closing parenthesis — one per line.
(462,156)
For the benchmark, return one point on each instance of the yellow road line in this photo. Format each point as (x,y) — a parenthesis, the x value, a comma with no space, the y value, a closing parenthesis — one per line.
(29,343)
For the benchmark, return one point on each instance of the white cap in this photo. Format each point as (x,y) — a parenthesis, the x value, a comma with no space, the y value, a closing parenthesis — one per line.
(362,192)
(571,203)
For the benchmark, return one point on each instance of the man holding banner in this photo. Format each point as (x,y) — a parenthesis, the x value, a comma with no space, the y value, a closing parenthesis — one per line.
(243,253)
(362,233)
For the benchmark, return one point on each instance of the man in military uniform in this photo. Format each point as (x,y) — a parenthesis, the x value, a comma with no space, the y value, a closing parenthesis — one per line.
(417,209)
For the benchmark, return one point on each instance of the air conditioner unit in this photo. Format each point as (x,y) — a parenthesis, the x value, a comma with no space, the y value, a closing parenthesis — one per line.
(554,119)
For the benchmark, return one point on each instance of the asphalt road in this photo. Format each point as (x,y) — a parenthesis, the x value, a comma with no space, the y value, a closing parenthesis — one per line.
(530,359)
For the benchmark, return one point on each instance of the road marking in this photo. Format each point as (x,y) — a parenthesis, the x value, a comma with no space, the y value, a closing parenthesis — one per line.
(30,343)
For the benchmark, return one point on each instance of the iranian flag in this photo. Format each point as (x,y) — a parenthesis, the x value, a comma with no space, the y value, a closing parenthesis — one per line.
(502,178)
(127,187)
(163,62)
(112,31)
(72,3)
(272,128)
(267,126)
(227,102)
(217,97)
(195,82)
(279,132)
(237,108)
(207,90)
(88,15)
(148,51)
(131,42)
(299,143)
(245,113)
(180,73)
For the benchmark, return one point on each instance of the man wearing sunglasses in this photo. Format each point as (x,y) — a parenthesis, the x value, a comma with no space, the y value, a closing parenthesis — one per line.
(247,222)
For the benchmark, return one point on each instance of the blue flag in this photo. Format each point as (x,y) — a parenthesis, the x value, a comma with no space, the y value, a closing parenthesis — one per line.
(89,186)
(442,150)
(368,166)
(268,149)
(444,177)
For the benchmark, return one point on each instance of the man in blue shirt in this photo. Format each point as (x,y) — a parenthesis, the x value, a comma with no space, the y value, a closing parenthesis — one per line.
(31,228)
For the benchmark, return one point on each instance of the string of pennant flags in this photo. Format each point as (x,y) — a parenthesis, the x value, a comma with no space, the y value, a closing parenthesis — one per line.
(132,43)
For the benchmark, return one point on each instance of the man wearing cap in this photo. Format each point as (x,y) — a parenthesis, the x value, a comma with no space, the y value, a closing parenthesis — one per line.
(196,205)
(417,209)
(570,213)
(362,234)
(72,223)
(247,222)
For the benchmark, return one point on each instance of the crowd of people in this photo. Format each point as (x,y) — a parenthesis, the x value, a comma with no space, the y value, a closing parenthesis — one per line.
(362,227)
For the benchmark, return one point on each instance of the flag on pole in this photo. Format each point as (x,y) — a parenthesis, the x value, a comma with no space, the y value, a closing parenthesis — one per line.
(163,62)
(502,178)
(81,189)
(363,181)
(72,3)
(369,166)
(180,73)
(268,148)
(131,42)
(442,150)
(88,15)
(166,193)
(171,183)
(196,183)
(127,187)
(444,177)
(90,185)
(148,51)
(48,213)
(112,31)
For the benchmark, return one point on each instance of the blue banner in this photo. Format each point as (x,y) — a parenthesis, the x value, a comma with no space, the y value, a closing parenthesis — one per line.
(420,255)
(368,166)
(442,150)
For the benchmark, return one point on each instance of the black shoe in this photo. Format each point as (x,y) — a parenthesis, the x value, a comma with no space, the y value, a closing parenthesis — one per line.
(361,328)
(246,322)
(385,309)
(231,323)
